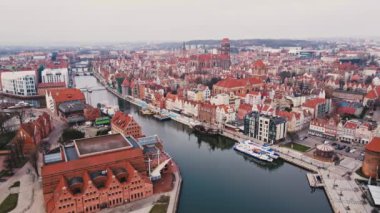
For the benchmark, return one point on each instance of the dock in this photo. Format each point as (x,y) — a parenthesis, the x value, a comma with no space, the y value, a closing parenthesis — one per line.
(315,180)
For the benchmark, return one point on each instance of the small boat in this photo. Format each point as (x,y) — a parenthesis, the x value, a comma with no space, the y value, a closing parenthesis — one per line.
(204,130)
(146,112)
(253,152)
(161,117)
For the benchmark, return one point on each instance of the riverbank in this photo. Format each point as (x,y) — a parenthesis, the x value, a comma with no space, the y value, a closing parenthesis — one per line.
(290,156)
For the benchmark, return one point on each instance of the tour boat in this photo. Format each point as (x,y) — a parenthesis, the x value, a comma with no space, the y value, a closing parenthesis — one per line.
(253,152)
(265,148)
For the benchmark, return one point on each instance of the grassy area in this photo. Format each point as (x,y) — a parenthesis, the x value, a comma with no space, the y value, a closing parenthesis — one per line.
(9,203)
(297,147)
(4,173)
(15,184)
(5,138)
(161,206)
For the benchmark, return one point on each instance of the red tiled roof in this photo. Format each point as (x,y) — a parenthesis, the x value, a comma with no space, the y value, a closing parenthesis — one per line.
(374,145)
(232,82)
(351,125)
(259,64)
(70,94)
(246,107)
(312,103)
(51,84)
(125,83)
(120,119)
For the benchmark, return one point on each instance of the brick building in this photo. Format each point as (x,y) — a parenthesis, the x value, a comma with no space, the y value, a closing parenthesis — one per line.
(68,103)
(207,113)
(237,86)
(125,124)
(319,107)
(33,132)
(95,173)
(42,88)
(371,161)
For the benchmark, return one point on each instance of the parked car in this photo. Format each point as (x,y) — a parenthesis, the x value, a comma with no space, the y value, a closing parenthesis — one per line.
(341,147)
(326,142)
(348,149)
(352,150)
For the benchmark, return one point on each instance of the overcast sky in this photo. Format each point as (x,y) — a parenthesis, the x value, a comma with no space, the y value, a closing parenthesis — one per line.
(54,21)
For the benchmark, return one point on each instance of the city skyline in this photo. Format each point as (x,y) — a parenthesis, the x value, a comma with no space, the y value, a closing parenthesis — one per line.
(46,22)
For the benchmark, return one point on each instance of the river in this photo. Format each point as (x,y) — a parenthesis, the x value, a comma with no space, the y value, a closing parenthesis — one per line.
(215,177)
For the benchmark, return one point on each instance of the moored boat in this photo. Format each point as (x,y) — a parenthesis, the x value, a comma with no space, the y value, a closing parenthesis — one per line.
(161,117)
(146,112)
(265,148)
(204,130)
(253,152)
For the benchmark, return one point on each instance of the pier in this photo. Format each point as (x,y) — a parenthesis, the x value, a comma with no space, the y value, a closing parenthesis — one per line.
(315,180)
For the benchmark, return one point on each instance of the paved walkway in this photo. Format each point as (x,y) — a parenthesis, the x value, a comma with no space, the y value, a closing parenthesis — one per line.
(341,189)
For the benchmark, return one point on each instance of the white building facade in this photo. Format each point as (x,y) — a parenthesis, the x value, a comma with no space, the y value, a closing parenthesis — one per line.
(19,83)
(55,75)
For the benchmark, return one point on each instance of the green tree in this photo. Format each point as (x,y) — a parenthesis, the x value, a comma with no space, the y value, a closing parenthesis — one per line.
(33,159)
(71,134)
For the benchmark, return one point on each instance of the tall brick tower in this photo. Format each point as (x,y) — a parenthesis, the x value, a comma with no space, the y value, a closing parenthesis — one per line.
(225,46)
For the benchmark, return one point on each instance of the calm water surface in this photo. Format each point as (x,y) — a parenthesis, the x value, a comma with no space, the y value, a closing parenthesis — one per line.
(218,179)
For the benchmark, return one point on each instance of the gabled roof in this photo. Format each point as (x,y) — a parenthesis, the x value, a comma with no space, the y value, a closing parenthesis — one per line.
(69,94)
(374,145)
(233,82)
(312,103)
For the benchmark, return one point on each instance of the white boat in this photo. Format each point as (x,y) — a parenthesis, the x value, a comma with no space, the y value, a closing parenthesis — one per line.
(253,152)
(265,148)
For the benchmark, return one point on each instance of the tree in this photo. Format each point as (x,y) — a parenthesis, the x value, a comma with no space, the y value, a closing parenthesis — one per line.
(213,81)
(33,159)
(9,163)
(71,134)
(284,74)
(368,80)
(20,115)
(3,119)
(19,145)
(102,132)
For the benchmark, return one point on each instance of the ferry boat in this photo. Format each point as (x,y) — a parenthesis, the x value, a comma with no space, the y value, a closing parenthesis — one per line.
(253,152)
(265,148)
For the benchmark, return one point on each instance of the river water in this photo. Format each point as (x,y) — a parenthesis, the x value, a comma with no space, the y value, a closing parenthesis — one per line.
(215,177)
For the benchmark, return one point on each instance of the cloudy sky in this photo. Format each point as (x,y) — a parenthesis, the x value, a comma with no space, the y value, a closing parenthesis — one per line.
(55,21)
